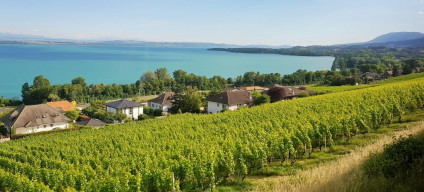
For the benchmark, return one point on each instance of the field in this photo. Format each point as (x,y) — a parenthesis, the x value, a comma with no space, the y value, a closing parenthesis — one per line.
(331,89)
(201,152)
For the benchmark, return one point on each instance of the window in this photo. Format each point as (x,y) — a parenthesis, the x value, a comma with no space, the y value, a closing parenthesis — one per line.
(45,126)
(51,125)
(217,104)
(223,106)
(131,110)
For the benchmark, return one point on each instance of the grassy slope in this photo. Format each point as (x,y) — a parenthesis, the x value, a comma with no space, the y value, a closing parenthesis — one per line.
(267,179)
(331,89)
(164,129)
(286,177)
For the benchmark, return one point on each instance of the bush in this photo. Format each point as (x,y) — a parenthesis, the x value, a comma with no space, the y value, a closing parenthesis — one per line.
(157,112)
(304,94)
(148,110)
(72,114)
(119,117)
(403,157)
(261,99)
(142,117)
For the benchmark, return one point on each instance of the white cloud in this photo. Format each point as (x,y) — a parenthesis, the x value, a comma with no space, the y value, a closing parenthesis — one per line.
(420,12)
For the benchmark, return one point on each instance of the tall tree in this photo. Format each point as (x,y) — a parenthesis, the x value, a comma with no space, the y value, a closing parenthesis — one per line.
(162,74)
(40,81)
(148,76)
(79,81)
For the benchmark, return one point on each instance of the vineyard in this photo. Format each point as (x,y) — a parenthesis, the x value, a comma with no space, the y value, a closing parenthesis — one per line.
(198,152)
(332,89)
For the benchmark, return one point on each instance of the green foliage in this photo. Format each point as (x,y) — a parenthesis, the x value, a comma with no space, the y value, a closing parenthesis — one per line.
(187,101)
(400,159)
(72,114)
(142,117)
(197,151)
(9,102)
(261,99)
(157,112)
(119,117)
(148,110)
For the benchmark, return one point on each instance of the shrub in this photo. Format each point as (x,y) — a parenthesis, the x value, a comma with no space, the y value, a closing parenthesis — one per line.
(72,114)
(148,110)
(157,112)
(304,94)
(142,117)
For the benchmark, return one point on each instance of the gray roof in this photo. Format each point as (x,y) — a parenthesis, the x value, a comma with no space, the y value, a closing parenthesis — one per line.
(122,104)
(92,122)
(163,99)
(33,115)
(232,97)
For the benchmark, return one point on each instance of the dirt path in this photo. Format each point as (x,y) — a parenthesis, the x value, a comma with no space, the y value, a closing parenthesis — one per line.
(333,176)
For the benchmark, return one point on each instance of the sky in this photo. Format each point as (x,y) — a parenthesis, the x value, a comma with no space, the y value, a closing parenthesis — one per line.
(243,22)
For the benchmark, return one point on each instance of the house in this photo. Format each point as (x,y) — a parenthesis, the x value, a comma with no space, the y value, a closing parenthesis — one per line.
(229,89)
(92,122)
(370,76)
(82,106)
(253,88)
(129,108)
(34,118)
(387,74)
(62,105)
(230,100)
(163,101)
(290,92)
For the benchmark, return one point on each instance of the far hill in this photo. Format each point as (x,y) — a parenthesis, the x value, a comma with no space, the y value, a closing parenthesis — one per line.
(397,36)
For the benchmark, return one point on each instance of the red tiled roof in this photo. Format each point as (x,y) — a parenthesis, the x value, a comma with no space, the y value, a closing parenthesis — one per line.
(64,105)
(252,88)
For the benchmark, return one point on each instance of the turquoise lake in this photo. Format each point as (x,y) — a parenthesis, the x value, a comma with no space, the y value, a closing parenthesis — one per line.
(125,64)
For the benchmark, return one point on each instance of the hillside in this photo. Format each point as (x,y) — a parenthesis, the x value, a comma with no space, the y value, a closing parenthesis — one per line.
(199,152)
(397,36)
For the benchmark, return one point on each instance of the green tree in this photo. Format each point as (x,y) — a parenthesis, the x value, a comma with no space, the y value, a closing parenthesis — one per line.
(162,74)
(72,114)
(79,81)
(40,81)
(187,101)
(119,117)
(148,76)
(262,99)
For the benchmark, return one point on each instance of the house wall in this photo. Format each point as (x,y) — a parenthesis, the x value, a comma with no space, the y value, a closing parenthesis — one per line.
(127,111)
(159,106)
(134,113)
(49,127)
(214,107)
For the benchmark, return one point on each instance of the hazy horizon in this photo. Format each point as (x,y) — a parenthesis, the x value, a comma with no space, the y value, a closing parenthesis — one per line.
(317,22)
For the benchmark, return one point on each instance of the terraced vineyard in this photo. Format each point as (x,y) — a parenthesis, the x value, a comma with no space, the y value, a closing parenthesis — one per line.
(193,152)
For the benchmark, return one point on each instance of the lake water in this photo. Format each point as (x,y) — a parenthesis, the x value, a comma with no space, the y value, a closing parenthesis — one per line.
(125,64)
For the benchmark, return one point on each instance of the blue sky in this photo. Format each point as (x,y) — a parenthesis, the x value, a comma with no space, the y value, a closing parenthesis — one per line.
(271,22)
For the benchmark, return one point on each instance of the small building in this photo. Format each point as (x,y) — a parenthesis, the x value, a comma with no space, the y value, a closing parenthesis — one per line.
(34,118)
(92,122)
(129,108)
(387,74)
(82,106)
(230,100)
(226,89)
(370,76)
(62,105)
(253,88)
(163,101)
(289,92)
